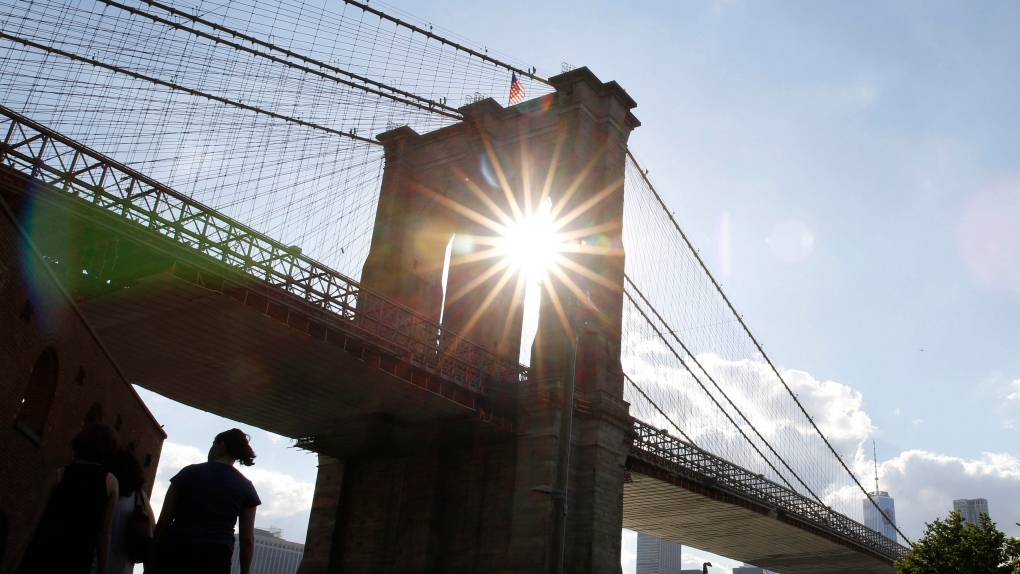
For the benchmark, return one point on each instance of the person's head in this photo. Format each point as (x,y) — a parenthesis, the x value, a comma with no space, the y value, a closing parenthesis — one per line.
(128,471)
(95,443)
(233,444)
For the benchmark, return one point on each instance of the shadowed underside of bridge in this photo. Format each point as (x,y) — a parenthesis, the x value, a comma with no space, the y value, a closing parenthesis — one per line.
(678,491)
(671,508)
(195,330)
(231,356)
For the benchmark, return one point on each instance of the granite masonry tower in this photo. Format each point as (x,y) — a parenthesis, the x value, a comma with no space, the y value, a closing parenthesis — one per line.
(458,495)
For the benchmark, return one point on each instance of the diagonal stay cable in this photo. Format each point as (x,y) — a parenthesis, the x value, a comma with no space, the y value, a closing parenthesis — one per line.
(173,86)
(656,407)
(710,395)
(397,94)
(718,388)
(757,345)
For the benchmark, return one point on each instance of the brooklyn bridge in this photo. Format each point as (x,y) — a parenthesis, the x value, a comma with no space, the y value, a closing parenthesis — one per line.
(443,272)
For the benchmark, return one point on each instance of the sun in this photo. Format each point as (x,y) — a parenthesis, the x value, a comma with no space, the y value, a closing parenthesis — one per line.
(530,245)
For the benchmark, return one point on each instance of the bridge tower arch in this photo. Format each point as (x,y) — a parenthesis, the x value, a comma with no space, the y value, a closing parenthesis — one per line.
(444,499)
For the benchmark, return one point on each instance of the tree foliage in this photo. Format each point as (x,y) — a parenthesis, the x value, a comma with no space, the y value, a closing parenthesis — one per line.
(953,546)
(1011,555)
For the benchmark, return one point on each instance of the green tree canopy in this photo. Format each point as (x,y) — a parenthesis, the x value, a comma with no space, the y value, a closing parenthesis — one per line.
(953,546)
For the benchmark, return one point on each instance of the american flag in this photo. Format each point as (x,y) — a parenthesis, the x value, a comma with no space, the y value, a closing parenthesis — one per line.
(516,90)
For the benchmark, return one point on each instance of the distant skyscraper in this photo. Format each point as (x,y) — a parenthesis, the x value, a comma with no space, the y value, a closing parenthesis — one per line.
(883,518)
(273,554)
(655,556)
(883,522)
(971,508)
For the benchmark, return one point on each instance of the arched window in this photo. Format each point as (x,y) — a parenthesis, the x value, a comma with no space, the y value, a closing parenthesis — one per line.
(95,415)
(42,385)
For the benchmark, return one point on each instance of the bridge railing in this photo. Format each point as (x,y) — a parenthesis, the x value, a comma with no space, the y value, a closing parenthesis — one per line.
(659,448)
(167,215)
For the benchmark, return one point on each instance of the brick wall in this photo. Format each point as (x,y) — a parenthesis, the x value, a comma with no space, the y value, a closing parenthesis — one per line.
(36,314)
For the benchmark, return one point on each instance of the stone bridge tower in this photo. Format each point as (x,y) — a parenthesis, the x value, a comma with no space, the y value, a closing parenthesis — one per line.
(449,496)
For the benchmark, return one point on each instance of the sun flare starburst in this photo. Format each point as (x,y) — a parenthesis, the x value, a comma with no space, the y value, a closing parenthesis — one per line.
(530,245)
(527,238)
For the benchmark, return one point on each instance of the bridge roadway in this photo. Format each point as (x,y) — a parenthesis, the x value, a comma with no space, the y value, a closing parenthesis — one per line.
(184,319)
(677,491)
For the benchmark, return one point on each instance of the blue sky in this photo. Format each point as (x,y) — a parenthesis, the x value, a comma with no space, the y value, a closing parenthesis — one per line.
(865,157)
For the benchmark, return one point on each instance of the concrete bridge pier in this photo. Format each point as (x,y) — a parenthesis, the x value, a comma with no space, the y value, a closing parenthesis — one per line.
(456,494)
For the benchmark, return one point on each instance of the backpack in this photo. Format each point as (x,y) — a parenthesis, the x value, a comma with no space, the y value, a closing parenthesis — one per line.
(138,531)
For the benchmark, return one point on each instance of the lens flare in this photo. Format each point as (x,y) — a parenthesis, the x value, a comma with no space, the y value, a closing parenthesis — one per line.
(531,244)
(989,235)
(525,235)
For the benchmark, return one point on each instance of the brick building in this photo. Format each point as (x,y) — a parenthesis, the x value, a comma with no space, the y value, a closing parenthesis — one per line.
(55,376)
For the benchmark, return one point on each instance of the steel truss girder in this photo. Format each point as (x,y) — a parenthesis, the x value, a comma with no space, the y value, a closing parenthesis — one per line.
(659,448)
(167,215)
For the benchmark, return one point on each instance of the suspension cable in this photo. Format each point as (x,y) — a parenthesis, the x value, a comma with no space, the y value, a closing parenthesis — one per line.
(718,288)
(408,97)
(193,92)
(627,378)
(719,388)
(710,395)
(442,40)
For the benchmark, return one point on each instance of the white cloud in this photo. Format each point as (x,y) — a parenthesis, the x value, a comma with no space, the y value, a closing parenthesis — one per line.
(752,386)
(836,408)
(924,485)
(282,495)
(273,437)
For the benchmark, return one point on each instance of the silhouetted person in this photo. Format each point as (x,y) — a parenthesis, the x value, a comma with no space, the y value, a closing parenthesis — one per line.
(195,531)
(130,479)
(71,522)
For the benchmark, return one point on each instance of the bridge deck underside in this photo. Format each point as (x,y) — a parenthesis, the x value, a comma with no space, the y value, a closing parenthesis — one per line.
(202,348)
(740,531)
